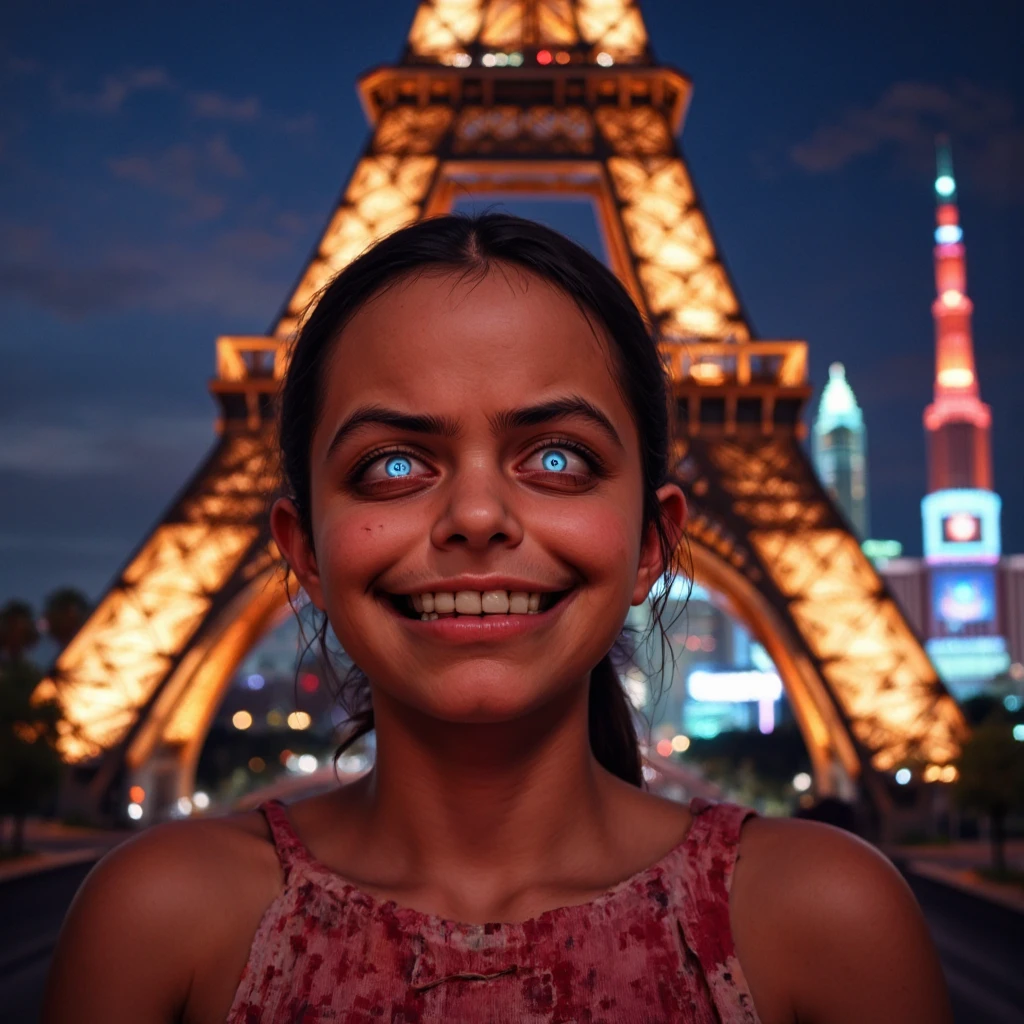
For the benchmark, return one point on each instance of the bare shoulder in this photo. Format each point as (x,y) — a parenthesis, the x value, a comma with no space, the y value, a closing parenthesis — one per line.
(151,910)
(827,927)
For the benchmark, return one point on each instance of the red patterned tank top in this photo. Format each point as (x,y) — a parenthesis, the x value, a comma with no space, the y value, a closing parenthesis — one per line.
(655,948)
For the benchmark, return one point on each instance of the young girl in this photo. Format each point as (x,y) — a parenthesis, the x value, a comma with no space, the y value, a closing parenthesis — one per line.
(474,440)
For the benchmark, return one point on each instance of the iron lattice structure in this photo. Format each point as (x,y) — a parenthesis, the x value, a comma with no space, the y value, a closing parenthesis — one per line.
(525,96)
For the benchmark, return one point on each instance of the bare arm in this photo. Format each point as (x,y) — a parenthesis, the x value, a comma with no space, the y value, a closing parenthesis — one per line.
(851,941)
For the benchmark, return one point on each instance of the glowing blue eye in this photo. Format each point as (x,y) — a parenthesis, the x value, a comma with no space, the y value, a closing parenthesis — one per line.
(397,465)
(554,461)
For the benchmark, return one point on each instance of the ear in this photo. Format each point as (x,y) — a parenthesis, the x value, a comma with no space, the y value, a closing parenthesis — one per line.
(673,514)
(293,543)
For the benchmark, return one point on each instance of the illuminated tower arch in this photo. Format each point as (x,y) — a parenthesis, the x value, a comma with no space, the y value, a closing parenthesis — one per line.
(510,97)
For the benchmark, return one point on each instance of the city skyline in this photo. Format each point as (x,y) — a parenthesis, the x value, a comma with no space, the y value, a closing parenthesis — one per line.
(199,186)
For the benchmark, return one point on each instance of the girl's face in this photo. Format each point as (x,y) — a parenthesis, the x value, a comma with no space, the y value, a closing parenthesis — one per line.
(395,510)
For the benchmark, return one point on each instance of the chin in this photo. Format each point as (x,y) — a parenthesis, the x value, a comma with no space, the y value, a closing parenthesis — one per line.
(473,700)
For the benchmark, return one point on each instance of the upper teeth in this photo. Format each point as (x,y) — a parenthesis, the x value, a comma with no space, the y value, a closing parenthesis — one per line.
(475,602)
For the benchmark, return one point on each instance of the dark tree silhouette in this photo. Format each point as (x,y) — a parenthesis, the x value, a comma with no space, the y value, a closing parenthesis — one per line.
(18,632)
(65,611)
(991,779)
(30,764)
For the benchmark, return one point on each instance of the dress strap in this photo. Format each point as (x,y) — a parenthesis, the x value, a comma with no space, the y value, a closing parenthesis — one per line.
(291,850)
(712,848)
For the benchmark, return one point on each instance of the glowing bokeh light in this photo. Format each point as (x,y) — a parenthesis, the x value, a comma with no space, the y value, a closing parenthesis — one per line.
(299,720)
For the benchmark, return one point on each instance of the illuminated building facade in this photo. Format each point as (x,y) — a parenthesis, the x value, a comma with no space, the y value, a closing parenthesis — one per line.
(720,678)
(961,597)
(839,447)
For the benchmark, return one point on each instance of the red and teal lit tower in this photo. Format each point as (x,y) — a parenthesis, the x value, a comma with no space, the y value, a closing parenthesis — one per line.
(957,421)
(960,513)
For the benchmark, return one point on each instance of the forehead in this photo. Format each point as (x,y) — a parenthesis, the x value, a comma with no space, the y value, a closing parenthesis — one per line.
(468,342)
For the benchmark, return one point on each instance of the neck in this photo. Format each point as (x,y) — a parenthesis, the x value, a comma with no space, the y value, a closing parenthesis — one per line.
(446,795)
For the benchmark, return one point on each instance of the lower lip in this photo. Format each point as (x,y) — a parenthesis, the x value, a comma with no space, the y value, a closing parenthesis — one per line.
(469,629)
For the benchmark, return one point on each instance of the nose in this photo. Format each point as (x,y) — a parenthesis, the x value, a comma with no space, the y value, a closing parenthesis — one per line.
(478,513)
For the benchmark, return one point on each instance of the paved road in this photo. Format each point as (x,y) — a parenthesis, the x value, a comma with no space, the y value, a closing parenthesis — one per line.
(31,911)
(981,945)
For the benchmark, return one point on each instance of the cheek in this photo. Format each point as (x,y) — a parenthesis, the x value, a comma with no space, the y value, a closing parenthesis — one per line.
(354,545)
(598,539)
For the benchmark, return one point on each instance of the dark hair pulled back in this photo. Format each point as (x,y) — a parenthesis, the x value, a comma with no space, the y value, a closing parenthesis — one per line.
(473,245)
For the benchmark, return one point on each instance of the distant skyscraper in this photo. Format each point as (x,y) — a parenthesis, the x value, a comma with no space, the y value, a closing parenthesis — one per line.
(960,514)
(964,595)
(839,442)
(957,421)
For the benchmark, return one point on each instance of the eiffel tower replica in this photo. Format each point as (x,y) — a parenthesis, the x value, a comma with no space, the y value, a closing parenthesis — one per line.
(513,97)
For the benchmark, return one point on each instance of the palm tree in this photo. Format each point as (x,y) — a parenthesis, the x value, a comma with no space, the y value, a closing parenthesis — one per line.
(18,630)
(65,611)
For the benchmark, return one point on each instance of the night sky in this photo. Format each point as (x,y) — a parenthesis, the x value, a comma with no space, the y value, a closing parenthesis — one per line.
(165,169)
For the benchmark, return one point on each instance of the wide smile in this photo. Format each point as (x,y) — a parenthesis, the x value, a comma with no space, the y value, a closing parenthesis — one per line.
(459,627)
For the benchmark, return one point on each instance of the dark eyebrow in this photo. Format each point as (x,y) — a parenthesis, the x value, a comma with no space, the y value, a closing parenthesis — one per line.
(506,420)
(556,408)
